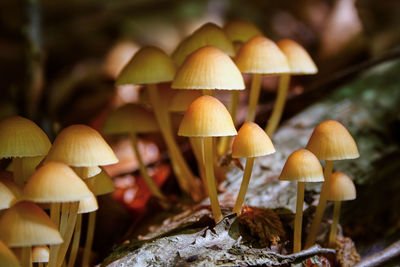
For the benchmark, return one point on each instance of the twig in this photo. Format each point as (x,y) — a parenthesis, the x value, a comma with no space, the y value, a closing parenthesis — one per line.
(382,256)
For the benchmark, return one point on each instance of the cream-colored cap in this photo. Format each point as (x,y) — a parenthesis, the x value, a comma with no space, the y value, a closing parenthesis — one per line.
(7,197)
(100,184)
(150,65)
(302,166)
(10,183)
(207,116)
(208,68)
(7,257)
(87,172)
(299,60)
(81,146)
(330,140)
(241,30)
(251,141)
(341,187)
(182,99)
(40,254)
(261,55)
(20,137)
(88,205)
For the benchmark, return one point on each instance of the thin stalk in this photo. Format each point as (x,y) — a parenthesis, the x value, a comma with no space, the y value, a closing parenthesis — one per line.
(55,217)
(254,95)
(41,264)
(26,259)
(75,242)
(208,92)
(335,221)
(319,213)
(225,141)
(18,171)
(69,230)
(212,189)
(276,114)
(243,187)
(53,261)
(89,239)
(299,217)
(197,147)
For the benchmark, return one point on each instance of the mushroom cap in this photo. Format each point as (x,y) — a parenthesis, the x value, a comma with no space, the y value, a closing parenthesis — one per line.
(26,224)
(261,55)
(251,141)
(181,100)
(88,205)
(117,57)
(20,137)
(340,187)
(302,166)
(40,254)
(7,257)
(55,182)
(330,140)
(81,146)
(100,184)
(208,68)
(87,172)
(208,34)
(207,116)
(10,183)
(150,65)
(130,119)
(300,62)
(7,197)
(241,30)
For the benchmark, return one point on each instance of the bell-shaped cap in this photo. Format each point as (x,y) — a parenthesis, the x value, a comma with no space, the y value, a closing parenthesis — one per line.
(330,140)
(40,254)
(117,57)
(150,65)
(207,35)
(20,137)
(7,197)
(207,116)
(130,119)
(261,55)
(55,182)
(81,146)
(88,205)
(26,224)
(7,257)
(240,30)
(251,141)
(302,166)
(182,99)
(87,172)
(7,180)
(100,184)
(298,58)
(341,187)
(208,68)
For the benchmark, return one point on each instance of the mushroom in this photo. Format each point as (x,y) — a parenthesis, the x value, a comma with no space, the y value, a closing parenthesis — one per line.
(301,166)
(7,197)
(329,141)
(40,255)
(7,257)
(340,188)
(207,117)
(250,142)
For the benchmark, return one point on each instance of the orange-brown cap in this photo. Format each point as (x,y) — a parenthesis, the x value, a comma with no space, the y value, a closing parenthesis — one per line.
(208,68)
(208,34)
(100,184)
(241,30)
(181,100)
(81,146)
(55,182)
(7,197)
(302,166)
(341,187)
(40,254)
(26,224)
(299,60)
(261,55)
(251,141)
(20,137)
(330,140)
(207,116)
(7,257)
(88,205)
(150,65)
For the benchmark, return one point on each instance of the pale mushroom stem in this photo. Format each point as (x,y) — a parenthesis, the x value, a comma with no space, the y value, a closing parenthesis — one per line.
(299,217)
(55,217)
(319,213)
(89,239)
(197,147)
(26,259)
(276,114)
(211,184)
(75,241)
(69,230)
(243,187)
(254,95)
(208,92)
(335,221)
(18,171)
(225,141)
(54,250)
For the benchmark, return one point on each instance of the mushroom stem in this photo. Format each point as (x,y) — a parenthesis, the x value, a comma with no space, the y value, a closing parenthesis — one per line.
(243,187)
(54,250)
(299,217)
(319,213)
(75,241)
(18,171)
(89,239)
(276,114)
(55,217)
(254,95)
(208,92)
(69,229)
(197,148)
(335,221)
(211,184)
(143,171)
(225,141)
(26,257)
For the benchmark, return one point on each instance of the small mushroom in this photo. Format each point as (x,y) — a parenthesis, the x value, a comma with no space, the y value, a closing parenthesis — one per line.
(40,255)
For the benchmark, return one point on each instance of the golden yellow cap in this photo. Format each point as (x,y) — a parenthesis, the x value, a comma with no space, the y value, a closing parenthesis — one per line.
(55,182)
(208,34)
(251,141)
(181,100)
(241,30)
(208,68)
(26,224)
(20,137)
(150,65)
(7,257)
(100,184)
(302,166)
(341,187)
(298,58)
(330,140)
(7,197)
(81,146)
(87,172)
(207,116)
(40,254)
(261,55)
(88,205)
